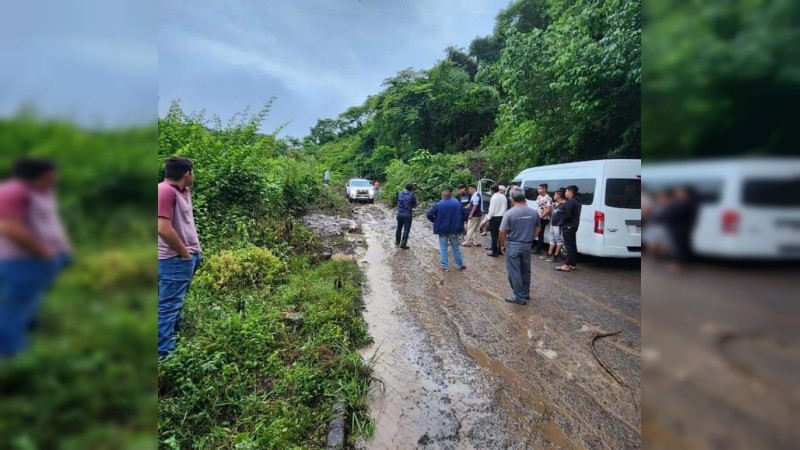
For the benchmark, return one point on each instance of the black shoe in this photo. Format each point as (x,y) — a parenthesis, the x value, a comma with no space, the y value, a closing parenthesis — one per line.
(397,244)
(513,299)
(493,255)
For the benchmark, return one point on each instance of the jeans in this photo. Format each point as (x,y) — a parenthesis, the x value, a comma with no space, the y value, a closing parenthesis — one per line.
(23,285)
(174,278)
(452,239)
(518,265)
(494,229)
(571,244)
(540,237)
(404,226)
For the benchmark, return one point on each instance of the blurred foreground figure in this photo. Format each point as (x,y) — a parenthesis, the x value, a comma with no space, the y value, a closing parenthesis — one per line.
(33,248)
(178,248)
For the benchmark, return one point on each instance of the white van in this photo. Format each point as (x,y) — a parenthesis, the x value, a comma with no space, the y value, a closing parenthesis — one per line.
(749,207)
(610,194)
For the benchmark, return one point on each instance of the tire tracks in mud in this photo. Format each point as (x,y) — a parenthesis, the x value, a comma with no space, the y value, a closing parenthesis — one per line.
(534,362)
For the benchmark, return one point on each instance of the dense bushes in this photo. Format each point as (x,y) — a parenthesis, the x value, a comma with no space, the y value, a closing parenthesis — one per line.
(252,268)
(244,375)
(430,172)
(86,381)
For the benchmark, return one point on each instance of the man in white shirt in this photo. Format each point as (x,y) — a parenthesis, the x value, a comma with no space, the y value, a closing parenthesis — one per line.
(497,208)
(544,204)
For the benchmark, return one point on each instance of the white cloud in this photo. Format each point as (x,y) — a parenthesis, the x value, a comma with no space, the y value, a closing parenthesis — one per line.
(295,75)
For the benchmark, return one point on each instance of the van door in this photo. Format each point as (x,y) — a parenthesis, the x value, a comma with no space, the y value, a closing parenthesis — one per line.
(486,196)
(619,218)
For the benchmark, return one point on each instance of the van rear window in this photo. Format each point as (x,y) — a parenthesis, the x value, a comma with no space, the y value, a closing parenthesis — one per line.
(771,193)
(624,193)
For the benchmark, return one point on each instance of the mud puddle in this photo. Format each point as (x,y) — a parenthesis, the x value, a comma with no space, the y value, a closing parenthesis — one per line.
(533,380)
(427,397)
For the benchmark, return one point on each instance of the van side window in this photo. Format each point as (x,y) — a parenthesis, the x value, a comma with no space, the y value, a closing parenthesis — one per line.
(586,188)
(624,193)
(709,191)
(530,186)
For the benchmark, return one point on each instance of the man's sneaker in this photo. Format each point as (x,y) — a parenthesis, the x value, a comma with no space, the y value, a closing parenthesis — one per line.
(462,267)
(443,269)
(513,299)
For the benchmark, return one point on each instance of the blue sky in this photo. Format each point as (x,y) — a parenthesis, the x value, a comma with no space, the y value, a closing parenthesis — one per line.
(316,57)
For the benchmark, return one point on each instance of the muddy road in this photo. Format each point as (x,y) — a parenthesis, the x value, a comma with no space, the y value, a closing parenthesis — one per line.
(461,368)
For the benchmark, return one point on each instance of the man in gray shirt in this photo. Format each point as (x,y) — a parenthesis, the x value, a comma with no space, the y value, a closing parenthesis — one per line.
(517,230)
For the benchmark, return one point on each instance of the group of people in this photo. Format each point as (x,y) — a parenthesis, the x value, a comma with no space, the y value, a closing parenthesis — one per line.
(516,229)
(668,220)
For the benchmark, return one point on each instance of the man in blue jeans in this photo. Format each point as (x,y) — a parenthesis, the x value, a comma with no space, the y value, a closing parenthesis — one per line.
(406,202)
(178,248)
(448,222)
(33,248)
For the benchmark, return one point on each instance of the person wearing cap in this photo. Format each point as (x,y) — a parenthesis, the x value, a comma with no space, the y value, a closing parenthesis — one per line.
(517,229)
(474,218)
(497,208)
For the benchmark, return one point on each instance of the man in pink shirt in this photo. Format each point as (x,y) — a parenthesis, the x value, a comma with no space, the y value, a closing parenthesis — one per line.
(33,248)
(178,248)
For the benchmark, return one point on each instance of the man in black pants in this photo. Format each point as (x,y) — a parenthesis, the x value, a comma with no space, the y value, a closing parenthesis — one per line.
(569,228)
(497,208)
(545,205)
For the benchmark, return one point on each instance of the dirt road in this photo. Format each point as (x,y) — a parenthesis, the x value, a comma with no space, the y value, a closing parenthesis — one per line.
(461,368)
(721,357)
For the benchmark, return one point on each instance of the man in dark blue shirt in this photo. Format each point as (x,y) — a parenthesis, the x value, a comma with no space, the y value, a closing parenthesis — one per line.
(448,222)
(406,202)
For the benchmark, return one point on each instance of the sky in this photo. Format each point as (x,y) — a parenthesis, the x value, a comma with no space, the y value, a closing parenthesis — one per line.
(94,62)
(315,57)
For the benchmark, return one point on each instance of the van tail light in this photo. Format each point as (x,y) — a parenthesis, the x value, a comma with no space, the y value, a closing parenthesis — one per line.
(599,222)
(730,221)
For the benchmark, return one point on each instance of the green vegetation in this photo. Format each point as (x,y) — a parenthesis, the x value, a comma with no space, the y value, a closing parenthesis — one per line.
(271,332)
(557,81)
(722,78)
(87,380)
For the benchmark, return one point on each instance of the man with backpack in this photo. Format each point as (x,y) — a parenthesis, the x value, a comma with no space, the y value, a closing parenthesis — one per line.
(406,202)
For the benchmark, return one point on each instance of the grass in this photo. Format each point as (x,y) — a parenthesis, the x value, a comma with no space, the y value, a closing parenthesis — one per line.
(245,377)
(84,383)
